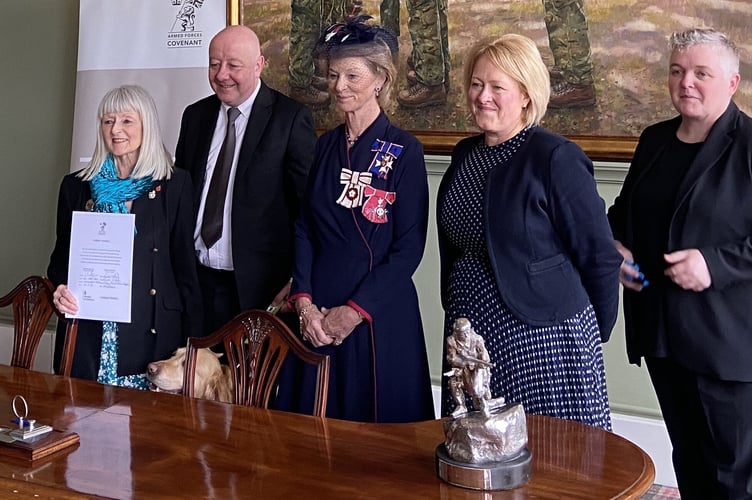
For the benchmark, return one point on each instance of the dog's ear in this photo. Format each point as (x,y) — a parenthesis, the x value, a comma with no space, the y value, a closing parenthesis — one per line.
(210,390)
(218,386)
(226,388)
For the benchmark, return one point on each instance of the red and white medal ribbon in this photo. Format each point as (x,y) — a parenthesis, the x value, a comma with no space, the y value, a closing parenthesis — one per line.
(375,208)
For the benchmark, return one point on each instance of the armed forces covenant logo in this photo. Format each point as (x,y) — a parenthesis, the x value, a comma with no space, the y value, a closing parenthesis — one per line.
(183,32)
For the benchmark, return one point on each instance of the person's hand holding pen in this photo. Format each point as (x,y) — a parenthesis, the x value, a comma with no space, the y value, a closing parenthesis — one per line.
(630,275)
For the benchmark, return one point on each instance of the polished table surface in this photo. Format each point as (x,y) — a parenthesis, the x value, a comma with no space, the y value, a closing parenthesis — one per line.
(136,444)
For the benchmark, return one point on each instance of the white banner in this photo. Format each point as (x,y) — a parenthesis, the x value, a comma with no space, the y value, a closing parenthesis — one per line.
(162,45)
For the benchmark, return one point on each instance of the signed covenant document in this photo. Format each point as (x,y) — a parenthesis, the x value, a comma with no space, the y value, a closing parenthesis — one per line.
(100,266)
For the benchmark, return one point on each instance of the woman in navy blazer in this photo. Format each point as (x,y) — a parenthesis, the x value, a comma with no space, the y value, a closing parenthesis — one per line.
(131,172)
(526,251)
(684,215)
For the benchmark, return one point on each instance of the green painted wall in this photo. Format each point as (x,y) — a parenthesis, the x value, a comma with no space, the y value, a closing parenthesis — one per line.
(38,61)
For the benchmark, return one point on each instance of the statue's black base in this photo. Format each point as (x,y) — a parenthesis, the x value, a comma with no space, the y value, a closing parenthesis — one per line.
(489,476)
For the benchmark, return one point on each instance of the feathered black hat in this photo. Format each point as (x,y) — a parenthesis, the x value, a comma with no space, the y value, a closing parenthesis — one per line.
(355,31)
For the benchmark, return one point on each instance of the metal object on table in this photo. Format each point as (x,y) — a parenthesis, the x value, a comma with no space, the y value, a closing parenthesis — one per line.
(484,449)
(27,428)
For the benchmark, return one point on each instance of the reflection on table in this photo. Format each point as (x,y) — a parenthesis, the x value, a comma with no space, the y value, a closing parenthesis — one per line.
(137,444)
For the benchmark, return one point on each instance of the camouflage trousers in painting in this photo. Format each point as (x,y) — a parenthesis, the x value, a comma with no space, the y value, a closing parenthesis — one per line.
(389,16)
(568,38)
(309,19)
(427,24)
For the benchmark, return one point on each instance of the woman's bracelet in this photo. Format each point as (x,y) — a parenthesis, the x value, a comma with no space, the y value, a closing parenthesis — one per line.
(305,310)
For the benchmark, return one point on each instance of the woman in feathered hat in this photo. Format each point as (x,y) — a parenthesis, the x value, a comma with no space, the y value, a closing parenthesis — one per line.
(359,239)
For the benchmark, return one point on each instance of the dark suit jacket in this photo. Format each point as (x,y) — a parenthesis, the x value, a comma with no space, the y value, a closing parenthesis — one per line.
(273,163)
(163,261)
(710,332)
(546,233)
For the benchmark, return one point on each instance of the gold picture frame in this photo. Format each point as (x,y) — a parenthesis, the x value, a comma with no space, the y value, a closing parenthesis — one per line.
(629,64)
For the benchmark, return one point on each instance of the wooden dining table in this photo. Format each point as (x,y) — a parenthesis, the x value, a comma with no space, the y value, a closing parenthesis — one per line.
(139,444)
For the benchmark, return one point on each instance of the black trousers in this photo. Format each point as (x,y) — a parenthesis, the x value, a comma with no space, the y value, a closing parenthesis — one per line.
(220,295)
(709,422)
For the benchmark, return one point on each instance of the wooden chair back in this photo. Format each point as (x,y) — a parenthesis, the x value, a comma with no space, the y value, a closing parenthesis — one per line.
(32,304)
(256,344)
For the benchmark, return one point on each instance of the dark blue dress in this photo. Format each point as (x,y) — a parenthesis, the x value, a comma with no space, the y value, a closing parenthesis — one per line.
(552,370)
(359,239)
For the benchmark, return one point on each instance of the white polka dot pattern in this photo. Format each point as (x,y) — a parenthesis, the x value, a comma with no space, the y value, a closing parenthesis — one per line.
(554,370)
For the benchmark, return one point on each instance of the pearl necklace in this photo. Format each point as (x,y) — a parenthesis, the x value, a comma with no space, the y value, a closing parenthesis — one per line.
(351,140)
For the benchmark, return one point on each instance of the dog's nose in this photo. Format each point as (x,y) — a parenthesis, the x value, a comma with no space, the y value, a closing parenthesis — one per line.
(152,369)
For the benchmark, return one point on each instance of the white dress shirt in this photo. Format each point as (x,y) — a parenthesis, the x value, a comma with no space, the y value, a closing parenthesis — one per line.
(219,256)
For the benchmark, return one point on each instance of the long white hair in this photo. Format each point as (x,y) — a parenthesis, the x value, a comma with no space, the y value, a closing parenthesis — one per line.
(153,158)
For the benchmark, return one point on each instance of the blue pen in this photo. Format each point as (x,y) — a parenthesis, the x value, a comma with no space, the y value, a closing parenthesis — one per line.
(640,277)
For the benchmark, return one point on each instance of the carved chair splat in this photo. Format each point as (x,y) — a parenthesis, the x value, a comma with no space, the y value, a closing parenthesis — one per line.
(256,344)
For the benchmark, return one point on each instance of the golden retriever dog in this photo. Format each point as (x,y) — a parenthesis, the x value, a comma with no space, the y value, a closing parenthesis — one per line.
(213,380)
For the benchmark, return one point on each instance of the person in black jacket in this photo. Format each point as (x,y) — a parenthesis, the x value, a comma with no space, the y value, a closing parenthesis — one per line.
(683,221)
(250,263)
(131,172)
(526,252)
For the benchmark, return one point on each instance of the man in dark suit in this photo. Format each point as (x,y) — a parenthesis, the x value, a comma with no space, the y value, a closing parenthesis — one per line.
(263,142)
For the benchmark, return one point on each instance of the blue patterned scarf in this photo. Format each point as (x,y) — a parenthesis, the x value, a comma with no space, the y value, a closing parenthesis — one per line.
(111,192)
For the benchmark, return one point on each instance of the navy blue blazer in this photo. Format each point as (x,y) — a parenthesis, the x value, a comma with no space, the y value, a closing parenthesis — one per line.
(708,331)
(546,232)
(273,163)
(166,299)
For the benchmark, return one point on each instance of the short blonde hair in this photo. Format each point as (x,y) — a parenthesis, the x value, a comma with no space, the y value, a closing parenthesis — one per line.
(518,57)
(153,158)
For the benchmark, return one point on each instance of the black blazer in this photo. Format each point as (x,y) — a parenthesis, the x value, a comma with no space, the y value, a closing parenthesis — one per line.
(274,159)
(710,331)
(546,233)
(163,261)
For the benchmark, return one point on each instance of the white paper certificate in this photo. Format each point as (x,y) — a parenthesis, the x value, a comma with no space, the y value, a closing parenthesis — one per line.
(100,267)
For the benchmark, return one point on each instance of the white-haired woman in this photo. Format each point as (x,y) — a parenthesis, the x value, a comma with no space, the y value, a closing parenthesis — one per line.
(131,172)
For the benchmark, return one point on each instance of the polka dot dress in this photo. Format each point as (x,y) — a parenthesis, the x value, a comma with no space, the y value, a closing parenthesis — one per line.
(553,370)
